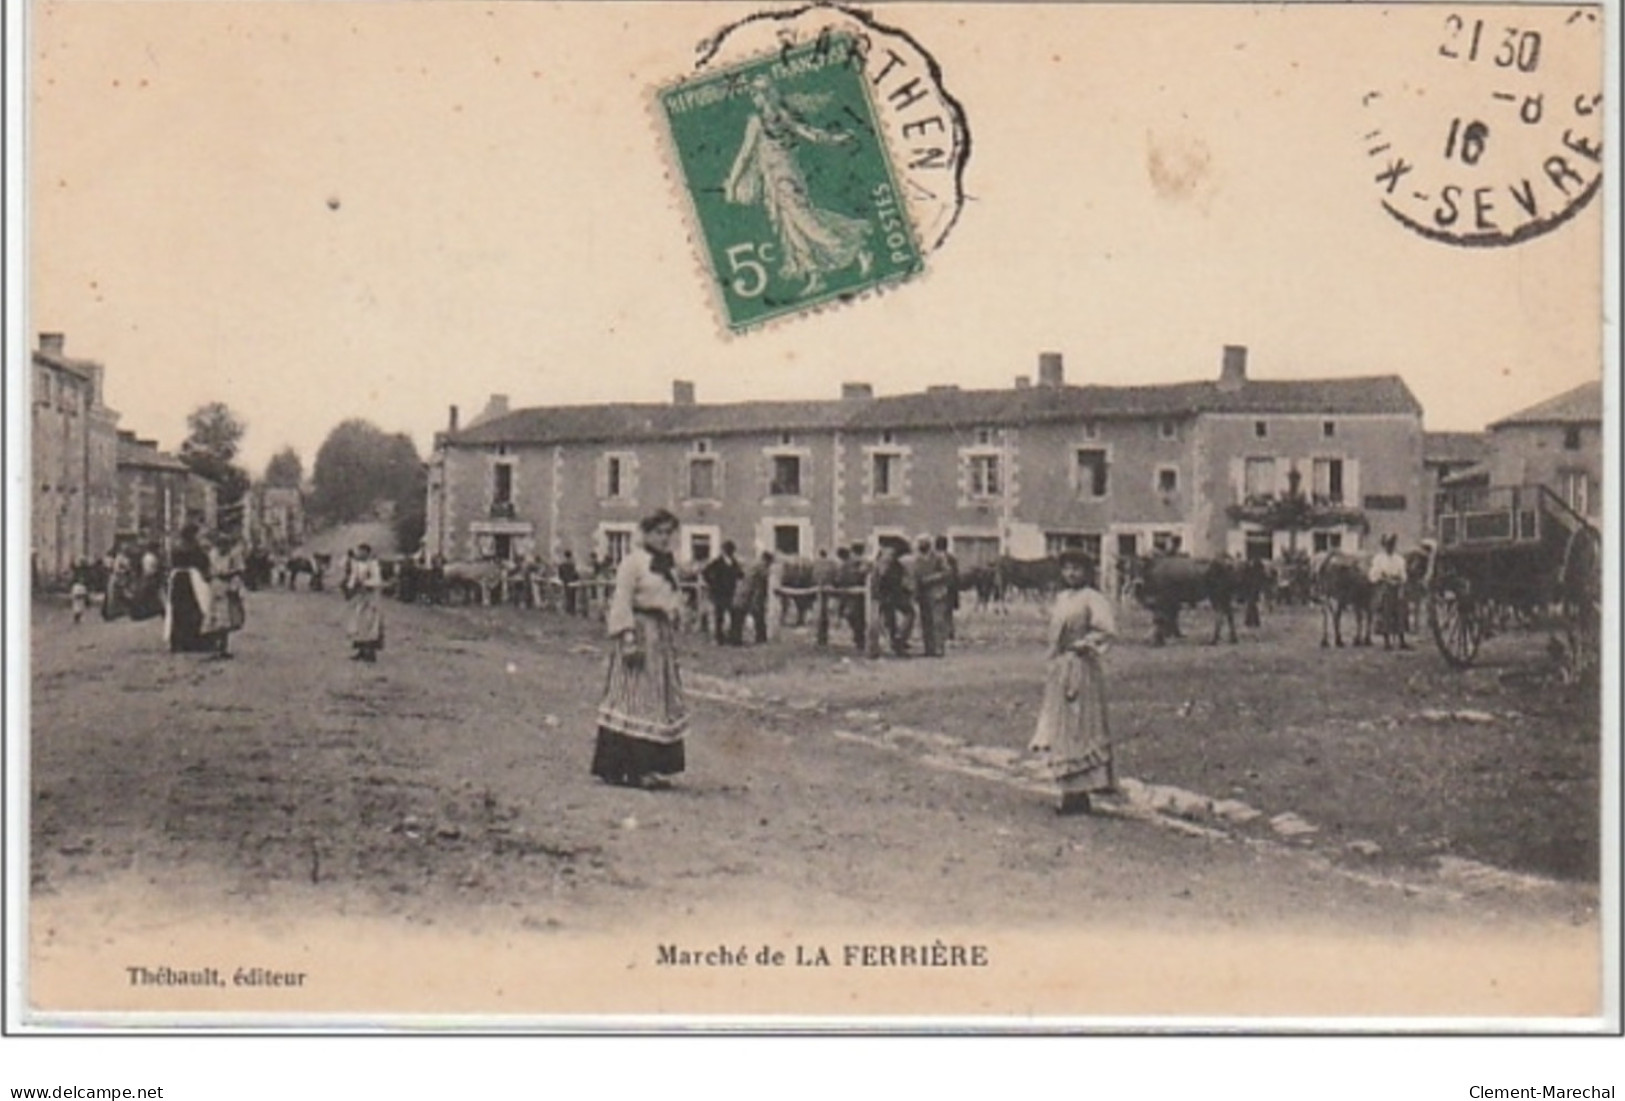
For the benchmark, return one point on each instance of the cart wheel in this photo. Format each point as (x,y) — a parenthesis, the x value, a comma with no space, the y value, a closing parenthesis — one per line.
(1454,619)
(1580,584)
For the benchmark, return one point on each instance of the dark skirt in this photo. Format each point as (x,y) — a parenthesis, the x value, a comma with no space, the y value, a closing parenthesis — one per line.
(622,759)
(187,618)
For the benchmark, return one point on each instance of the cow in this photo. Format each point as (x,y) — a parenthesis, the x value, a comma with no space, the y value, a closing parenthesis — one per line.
(473,582)
(1168,583)
(1034,578)
(1342,581)
(983,580)
(796,573)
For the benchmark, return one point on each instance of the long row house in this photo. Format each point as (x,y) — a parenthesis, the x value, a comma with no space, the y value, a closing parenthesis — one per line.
(1200,467)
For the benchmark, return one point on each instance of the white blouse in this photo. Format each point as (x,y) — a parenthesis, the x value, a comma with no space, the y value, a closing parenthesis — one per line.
(638,588)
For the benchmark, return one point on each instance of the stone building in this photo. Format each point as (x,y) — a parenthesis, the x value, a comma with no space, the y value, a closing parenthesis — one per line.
(1557,443)
(274,518)
(74,470)
(1023,471)
(153,491)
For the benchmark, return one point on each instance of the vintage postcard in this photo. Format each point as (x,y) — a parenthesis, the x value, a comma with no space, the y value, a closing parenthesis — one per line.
(627,516)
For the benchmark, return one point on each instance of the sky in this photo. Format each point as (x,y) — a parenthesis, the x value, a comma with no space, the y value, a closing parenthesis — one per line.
(314,211)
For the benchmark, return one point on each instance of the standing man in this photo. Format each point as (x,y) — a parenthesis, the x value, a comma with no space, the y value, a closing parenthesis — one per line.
(849,575)
(951,564)
(722,576)
(1388,574)
(751,600)
(568,576)
(824,573)
(930,574)
(893,590)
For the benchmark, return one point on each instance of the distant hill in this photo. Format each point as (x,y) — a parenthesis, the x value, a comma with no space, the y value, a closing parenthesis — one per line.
(337,540)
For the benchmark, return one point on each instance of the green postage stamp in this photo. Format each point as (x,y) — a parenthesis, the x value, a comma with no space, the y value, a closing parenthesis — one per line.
(794,194)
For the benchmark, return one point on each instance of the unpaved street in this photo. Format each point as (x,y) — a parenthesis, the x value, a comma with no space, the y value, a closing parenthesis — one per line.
(1270,786)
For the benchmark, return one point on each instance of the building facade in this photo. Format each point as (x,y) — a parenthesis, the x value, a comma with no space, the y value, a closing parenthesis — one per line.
(274,518)
(1026,471)
(153,491)
(74,451)
(1557,443)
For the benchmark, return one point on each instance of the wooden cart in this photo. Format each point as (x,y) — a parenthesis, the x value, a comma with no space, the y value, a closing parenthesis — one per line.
(1514,556)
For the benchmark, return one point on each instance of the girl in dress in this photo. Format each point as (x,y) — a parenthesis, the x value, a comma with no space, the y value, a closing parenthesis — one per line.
(363,586)
(642,716)
(1072,729)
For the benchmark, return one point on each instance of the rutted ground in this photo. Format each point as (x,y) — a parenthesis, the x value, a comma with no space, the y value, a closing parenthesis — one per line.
(449,783)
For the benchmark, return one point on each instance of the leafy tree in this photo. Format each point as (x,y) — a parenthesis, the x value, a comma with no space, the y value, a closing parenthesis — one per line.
(213,435)
(285,469)
(359,467)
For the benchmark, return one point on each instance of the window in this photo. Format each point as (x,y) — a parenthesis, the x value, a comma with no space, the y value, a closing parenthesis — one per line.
(1258,480)
(984,476)
(699,547)
(1260,546)
(986,438)
(1328,541)
(787,539)
(1261,430)
(1128,545)
(1328,429)
(786,476)
(43,396)
(502,547)
(1167,479)
(617,544)
(1169,430)
(614,476)
(1166,542)
(502,484)
(1057,541)
(1091,430)
(888,437)
(702,478)
(1571,438)
(1575,488)
(887,470)
(1328,481)
(975,550)
(702,447)
(1091,471)
(785,439)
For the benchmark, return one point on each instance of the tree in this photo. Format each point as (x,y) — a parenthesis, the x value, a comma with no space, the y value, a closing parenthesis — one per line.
(359,467)
(213,434)
(285,469)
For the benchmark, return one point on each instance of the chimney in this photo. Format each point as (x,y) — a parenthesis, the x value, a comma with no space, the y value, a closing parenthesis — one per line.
(1024,382)
(451,420)
(1234,373)
(52,343)
(496,407)
(682,392)
(1051,372)
(857,391)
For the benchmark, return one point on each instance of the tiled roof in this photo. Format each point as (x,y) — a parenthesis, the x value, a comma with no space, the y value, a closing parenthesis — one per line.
(1454,447)
(1581,405)
(80,367)
(148,458)
(943,407)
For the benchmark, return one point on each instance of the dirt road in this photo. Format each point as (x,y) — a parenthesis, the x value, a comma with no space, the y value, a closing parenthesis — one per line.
(448,784)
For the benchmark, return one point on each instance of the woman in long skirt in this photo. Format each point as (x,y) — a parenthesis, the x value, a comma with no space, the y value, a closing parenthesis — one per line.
(363,586)
(1072,727)
(187,603)
(642,716)
(226,613)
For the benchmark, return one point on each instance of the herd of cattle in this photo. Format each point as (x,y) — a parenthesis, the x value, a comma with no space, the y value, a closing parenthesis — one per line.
(1338,582)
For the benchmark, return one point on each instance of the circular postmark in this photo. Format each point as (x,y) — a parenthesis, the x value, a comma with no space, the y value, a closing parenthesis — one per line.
(1497,138)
